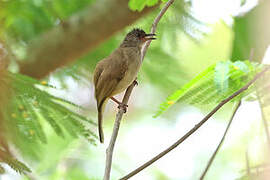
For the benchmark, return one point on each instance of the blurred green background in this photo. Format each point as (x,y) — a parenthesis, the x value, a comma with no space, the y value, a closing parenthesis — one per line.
(192,36)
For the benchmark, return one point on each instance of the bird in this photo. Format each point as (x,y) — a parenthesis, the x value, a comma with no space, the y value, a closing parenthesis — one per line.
(115,73)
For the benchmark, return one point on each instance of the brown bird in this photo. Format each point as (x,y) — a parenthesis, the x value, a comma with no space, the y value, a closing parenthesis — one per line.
(115,73)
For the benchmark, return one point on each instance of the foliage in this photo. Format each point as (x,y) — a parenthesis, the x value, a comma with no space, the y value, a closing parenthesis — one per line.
(29,107)
(140,4)
(161,56)
(22,25)
(22,20)
(187,21)
(213,84)
(157,59)
(32,108)
(242,39)
(13,163)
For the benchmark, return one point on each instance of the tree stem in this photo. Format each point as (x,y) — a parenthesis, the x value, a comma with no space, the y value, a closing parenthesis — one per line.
(109,150)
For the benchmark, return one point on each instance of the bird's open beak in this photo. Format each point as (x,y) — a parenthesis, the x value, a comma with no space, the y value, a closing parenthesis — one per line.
(149,37)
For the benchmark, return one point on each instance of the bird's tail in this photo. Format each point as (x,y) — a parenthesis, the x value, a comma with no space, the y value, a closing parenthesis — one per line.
(101,107)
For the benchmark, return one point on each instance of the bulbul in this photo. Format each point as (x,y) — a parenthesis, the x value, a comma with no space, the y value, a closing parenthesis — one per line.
(116,72)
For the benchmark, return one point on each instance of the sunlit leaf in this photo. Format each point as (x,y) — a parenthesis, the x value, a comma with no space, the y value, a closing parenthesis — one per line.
(221,76)
(30,106)
(205,88)
(173,98)
(140,4)
(13,163)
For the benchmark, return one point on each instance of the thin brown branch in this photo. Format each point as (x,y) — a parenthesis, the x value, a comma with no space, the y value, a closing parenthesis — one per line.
(119,115)
(76,36)
(247,164)
(221,141)
(258,94)
(260,166)
(155,23)
(265,123)
(109,151)
(197,126)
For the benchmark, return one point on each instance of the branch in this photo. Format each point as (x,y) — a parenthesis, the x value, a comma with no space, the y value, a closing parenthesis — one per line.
(221,141)
(109,150)
(77,35)
(247,164)
(264,119)
(155,23)
(197,126)
(259,95)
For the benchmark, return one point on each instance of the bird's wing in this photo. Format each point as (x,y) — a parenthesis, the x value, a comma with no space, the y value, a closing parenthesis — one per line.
(108,75)
(97,73)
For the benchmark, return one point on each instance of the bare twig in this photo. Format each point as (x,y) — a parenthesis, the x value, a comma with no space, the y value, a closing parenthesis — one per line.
(221,141)
(259,166)
(155,23)
(197,126)
(247,164)
(265,124)
(264,119)
(109,151)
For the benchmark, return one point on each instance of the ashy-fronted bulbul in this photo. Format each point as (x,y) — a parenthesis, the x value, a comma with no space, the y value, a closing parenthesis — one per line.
(116,72)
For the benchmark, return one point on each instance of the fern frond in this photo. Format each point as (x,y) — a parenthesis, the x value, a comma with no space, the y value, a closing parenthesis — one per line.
(213,85)
(13,163)
(30,106)
(30,114)
(184,90)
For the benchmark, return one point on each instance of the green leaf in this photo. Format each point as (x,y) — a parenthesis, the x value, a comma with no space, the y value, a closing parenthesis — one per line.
(31,106)
(243,66)
(13,163)
(140,4)
(136,4)
(179,93)
(151,2)
(206,88)
(30,114)
(221,76)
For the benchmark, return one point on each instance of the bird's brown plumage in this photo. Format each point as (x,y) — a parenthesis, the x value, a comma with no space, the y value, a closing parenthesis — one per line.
(115,73)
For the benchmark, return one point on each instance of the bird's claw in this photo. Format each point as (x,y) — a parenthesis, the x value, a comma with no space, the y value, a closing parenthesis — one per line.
(135,82)
(123,106)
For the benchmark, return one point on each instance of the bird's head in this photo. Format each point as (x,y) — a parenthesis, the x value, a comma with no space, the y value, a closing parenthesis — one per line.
(137,37)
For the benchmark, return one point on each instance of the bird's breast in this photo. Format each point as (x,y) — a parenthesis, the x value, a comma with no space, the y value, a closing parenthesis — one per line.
(133,67)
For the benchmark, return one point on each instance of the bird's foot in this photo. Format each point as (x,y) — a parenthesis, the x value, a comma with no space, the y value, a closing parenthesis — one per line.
(120,104)
(123,106)
(115,100)
(135,82)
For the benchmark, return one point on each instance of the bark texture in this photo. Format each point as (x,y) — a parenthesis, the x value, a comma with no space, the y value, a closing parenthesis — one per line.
(78,35)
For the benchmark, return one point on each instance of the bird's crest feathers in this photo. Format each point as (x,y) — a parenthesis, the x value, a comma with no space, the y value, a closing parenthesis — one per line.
(137,32)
